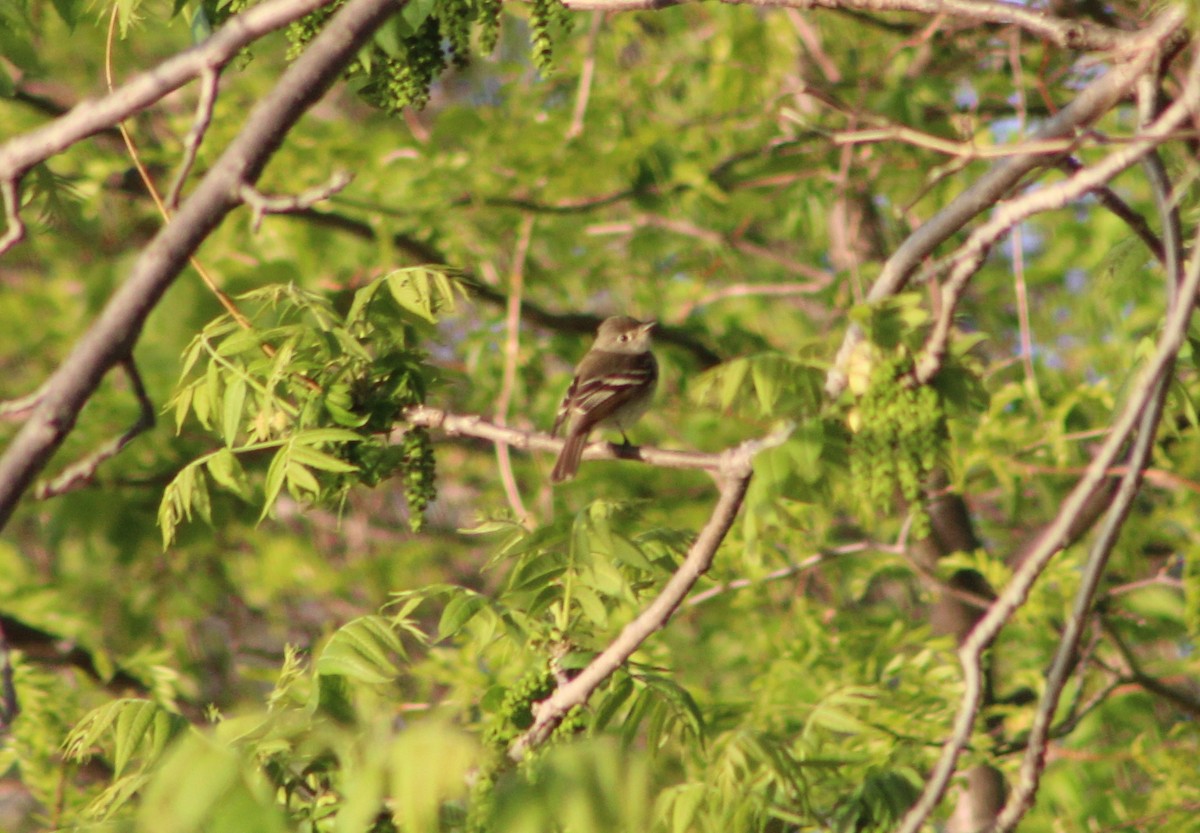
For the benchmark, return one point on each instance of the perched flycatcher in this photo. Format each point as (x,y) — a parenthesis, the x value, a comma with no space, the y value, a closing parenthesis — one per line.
(613,386)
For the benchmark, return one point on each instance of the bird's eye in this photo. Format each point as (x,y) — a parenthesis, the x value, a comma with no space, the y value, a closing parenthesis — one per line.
(624,336)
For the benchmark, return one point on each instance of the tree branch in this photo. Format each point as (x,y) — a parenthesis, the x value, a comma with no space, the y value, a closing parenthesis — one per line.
(21,153)
(113,334)
(1139,54)
(733,473)
(469,425)
(82,472)
(191,143)
(263,204)
(969,257)
(1069,34)
(1052,539)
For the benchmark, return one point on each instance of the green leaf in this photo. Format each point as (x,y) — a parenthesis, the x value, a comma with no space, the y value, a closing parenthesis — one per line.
(458,611)
(364,649)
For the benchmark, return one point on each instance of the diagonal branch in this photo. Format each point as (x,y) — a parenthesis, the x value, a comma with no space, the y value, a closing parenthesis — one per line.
(113,334)
(1052,539)
(21,153)
(733,477)
(82,472)
(969,257)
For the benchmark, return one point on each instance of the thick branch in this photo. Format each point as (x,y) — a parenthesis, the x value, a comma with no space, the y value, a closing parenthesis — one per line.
(21,153)
(112,336)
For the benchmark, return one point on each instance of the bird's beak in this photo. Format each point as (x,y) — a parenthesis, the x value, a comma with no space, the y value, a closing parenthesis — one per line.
(647,327)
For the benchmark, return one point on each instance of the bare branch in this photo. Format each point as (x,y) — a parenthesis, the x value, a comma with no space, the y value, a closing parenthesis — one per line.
(22,152)
(969,257)
(1070,34)
(1049,542)
(586,73)
(733,477)
(263,204)
(512,347)
(469,425)
(111,337)
(1140,53)
(81,473)
(191,144)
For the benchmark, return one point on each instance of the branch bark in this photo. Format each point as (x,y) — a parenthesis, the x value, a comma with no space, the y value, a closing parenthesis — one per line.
(111,338)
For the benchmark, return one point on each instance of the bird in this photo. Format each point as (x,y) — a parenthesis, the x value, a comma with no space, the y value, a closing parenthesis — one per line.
(613,386)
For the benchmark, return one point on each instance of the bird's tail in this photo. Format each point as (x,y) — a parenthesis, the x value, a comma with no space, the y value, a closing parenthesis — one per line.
(568,458)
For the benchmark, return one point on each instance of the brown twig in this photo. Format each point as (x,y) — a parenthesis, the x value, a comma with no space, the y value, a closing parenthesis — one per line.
(587,72)
(263,204)
(191,143)
(82,472)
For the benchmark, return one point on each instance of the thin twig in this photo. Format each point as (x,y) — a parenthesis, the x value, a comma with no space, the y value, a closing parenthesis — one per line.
(748,290)
(512,348)
(819,277)
(586,73)
(1184,700)
(191,143)
(733,477)
(802,566)
(263,204)
(1109,199)
(81,473)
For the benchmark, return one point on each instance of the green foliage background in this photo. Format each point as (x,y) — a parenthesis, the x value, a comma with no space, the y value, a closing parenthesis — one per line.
(297,657)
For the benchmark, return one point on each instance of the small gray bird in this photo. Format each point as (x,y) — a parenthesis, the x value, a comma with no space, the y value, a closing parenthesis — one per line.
(613,386)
